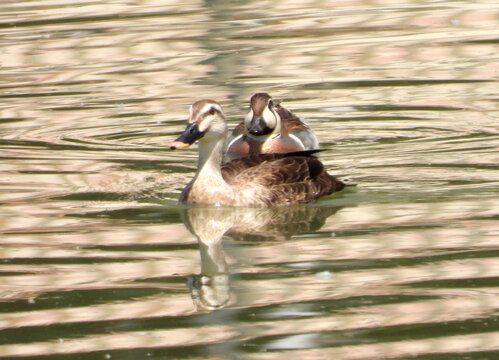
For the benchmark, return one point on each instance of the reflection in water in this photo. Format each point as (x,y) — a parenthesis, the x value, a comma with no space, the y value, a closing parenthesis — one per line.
(211,289)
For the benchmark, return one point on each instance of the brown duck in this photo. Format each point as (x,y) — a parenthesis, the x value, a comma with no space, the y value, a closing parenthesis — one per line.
(269,128)
(256,181)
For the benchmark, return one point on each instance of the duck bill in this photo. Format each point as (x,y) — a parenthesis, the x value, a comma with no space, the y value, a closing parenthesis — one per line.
(188,137)
(258,126)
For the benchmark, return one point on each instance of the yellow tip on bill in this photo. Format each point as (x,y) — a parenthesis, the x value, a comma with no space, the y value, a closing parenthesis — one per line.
(179,145)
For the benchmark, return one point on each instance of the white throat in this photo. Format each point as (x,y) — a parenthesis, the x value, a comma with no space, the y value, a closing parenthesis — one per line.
(210,160)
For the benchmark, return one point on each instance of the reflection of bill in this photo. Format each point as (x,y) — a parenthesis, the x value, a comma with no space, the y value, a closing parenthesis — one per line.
(209,292)
(210,289)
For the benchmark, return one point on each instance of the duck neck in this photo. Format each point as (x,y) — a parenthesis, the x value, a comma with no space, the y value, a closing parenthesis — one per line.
(210,161)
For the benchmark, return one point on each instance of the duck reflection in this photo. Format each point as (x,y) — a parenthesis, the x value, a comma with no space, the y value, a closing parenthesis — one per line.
(210,289)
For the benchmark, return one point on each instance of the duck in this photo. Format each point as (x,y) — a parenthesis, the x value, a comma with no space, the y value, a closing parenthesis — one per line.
(269,128)
(262,180)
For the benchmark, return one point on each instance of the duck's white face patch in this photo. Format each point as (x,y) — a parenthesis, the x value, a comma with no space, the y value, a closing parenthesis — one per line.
(270,118)
(207,115)
(191,118)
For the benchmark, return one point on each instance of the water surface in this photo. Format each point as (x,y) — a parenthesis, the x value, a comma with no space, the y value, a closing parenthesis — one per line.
(99,262)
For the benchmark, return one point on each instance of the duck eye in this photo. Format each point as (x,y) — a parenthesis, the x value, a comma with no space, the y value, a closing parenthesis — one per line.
(212,111)
(271,103)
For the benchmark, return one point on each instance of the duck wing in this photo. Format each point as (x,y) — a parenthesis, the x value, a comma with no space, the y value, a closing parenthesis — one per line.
(300,180)
(291,124)
(285,114)
(285,170)
(234,168)
(289,178)
(250,165)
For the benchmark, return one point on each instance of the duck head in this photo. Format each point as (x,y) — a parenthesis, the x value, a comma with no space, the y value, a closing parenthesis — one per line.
(206,121)
(262,119)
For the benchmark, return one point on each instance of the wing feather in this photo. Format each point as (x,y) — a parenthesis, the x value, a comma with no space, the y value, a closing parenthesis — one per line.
(289,120)
(282,179)
(291,124)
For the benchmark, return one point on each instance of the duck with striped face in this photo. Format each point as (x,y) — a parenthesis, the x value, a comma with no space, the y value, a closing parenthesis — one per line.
(262,119)
(269,128)
(206,116)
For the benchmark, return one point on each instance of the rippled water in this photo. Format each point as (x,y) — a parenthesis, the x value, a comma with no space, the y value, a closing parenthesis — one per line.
(99,262)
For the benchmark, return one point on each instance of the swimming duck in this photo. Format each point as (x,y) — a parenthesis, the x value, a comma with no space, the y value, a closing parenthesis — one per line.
(269,128)
(256,181)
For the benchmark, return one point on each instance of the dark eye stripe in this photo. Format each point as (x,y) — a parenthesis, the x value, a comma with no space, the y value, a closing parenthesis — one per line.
(213,110)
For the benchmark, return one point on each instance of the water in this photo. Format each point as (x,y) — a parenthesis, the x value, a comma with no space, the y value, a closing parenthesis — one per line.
(99,262)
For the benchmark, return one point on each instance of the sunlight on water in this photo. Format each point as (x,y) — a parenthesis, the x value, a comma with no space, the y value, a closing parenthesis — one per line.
(99,262)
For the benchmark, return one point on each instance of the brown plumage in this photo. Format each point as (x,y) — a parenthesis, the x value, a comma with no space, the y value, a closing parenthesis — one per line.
(258,180)
(297,178)
(269,128)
